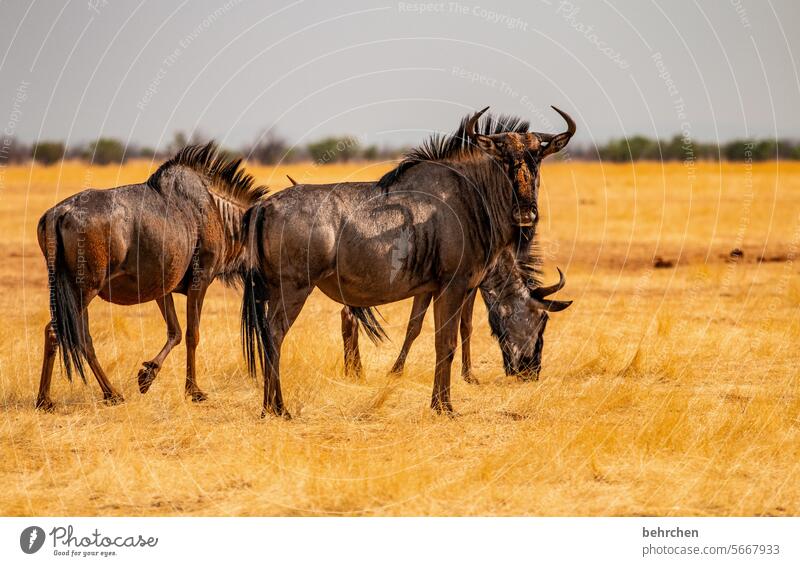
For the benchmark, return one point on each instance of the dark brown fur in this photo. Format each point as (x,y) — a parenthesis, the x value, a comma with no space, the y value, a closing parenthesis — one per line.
(175,233)
(454,218)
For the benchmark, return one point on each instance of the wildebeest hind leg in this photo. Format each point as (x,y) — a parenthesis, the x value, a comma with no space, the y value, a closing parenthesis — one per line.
(283,310)
(110,394)
(43,401)
(150,370)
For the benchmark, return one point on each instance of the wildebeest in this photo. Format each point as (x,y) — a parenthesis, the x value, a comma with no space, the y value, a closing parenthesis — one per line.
(456,203)
(517,305)
(175,233)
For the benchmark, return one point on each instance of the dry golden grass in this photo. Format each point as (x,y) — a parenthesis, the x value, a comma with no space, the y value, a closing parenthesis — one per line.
(664,391)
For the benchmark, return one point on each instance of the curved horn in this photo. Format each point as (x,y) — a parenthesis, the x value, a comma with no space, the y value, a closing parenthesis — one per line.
(568,119)
(570,126)
(554,306)
(292,181)
(469,129)
(542,292)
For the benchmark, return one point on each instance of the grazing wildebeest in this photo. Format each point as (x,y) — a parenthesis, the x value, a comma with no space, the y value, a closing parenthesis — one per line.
(175,233)
(517,306)
(453,205)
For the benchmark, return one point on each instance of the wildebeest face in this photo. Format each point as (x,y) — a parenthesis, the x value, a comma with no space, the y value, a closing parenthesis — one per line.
(523,340)
(520,155)
(518,315)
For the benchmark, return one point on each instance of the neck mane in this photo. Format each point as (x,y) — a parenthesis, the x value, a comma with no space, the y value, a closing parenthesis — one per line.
(454,147)
(227,178)
(232,190)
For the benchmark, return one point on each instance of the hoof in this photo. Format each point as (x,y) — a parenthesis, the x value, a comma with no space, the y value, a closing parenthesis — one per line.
(45,404)
(113,399)
(282,413)
(198,396)
(527,378)
(354,372)
(449,413)
(444,409)
(147,375)
(469,378)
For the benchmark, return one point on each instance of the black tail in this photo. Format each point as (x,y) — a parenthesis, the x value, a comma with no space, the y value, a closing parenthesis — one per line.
(255,332)
(65,308)
(369,323)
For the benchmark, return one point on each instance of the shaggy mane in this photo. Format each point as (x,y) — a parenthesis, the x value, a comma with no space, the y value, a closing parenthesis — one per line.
(455,146)
(226,174)
(529,262)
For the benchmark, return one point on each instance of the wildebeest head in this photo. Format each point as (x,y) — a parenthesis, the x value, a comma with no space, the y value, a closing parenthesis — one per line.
(520,155)
(518,315)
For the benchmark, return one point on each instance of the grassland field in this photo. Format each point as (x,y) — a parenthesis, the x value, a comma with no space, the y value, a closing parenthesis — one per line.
(668,390)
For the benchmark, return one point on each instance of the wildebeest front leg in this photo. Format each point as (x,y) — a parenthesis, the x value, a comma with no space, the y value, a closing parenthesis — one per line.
(352,355)
(194,307)
(282,312)
(43,401)
(447,314)
(466,334)
(150,370)
(418,309)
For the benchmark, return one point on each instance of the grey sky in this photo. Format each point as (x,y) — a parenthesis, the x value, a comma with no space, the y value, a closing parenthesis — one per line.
(388,73)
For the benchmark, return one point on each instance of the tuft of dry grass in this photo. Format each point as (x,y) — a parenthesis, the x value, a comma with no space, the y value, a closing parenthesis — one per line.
(664,391)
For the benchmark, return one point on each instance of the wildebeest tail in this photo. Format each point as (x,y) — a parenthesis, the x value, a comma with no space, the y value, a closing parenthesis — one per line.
(66,312)
(369,323)
(255,333)
(254,330)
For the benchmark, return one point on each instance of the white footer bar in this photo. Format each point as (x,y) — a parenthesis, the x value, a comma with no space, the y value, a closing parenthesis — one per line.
(401,541)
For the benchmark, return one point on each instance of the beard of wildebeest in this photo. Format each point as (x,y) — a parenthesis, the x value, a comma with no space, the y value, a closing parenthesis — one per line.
(451,204)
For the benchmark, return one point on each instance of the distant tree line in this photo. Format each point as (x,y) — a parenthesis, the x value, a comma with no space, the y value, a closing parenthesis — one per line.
(270,148)
(678,148)
(47,152)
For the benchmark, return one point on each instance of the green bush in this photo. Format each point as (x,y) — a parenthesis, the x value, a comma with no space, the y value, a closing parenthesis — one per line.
(48,152)
(334,149)
(105,151)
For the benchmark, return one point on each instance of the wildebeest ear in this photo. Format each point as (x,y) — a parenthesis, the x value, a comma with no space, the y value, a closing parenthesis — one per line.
(487,144)
(556,144)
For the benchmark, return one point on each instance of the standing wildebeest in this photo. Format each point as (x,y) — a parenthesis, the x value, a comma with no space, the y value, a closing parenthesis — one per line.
(517,307)
(175,233)
(455,203)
